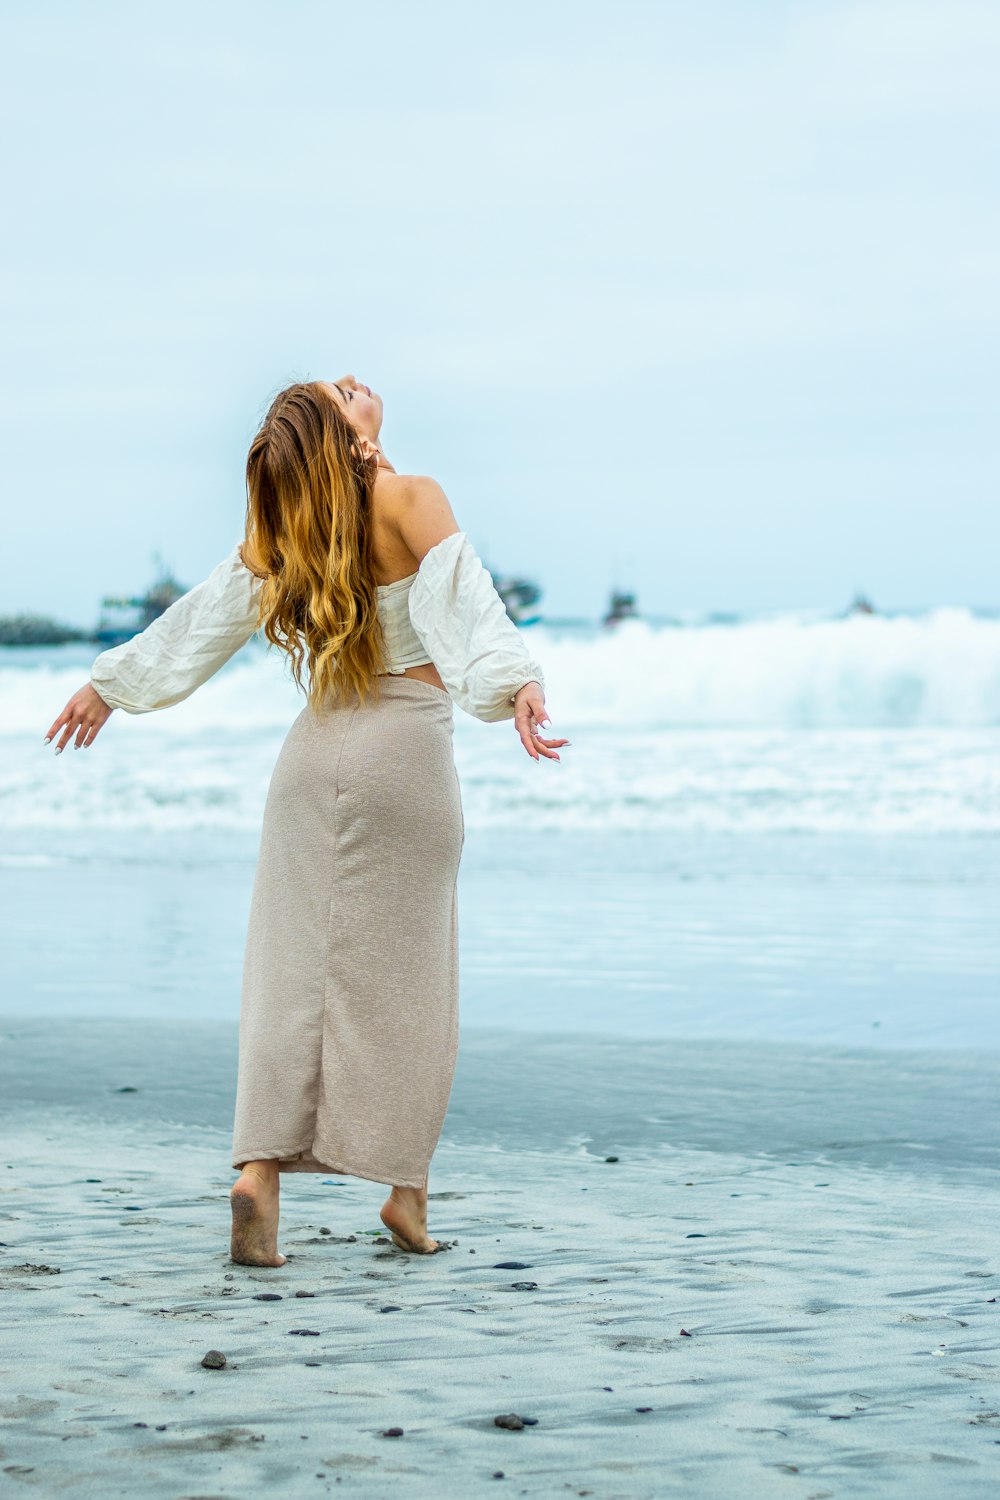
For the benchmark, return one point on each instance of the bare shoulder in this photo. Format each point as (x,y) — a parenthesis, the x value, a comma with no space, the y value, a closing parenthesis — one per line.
(414,491)
(420,510)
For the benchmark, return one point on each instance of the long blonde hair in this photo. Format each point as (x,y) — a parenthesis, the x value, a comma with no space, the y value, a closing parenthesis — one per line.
(309,536)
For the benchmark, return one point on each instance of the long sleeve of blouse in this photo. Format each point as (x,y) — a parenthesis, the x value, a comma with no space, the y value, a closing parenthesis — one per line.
(454,609)
(464,626)
(184,646)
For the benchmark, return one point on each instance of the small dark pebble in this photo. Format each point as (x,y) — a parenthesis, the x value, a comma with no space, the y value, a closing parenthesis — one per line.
(685,1334)
(305,1294)
(391,1307)
(512,1265)
(524,1286)
(611,1158)
(133,1208)
(93,1179)
(305,1333)
(267,1297)
(140,1424)
(214,1360)
(607,1387)
(644,1408)
(393,1432)
(162,1427)
(128,1089)
(326,1231)
(313,1364)
(695,1236)
(530,1421)
(498,1474)
(512,1422)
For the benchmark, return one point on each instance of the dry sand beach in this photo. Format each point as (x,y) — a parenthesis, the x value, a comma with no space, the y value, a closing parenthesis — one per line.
(811,1315)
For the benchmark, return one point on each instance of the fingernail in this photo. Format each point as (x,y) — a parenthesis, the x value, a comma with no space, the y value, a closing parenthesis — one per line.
(60,749)
(48,739)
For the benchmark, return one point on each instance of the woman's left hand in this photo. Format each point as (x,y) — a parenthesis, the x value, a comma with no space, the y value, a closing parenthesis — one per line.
(529,717)
(84,715)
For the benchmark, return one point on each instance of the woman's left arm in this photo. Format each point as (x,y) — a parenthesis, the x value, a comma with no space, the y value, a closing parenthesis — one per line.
(174,655)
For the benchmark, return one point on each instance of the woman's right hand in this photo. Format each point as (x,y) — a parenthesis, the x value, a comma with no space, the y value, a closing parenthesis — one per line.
(530,715)
(84,715)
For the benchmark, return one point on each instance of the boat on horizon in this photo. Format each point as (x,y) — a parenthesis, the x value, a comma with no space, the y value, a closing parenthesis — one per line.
(115,626)
(622,607)
(519,595)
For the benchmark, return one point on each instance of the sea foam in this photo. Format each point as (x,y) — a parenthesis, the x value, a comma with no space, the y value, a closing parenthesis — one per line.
(788,723)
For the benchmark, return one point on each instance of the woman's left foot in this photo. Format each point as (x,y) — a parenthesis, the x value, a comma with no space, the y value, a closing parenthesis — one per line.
(254,1199)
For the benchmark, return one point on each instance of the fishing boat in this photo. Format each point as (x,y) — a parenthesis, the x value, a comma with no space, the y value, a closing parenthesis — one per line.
(622,607)
(125,615)
(519,595)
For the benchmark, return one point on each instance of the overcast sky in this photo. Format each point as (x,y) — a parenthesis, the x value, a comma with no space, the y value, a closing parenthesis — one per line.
(702,300)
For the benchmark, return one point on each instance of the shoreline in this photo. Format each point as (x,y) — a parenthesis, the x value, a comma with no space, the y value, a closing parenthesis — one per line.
(908,1109)
(767,1287)
(736,1327)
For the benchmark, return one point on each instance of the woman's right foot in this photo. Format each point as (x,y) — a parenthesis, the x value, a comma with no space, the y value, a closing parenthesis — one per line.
(404,1214)
(254,1200)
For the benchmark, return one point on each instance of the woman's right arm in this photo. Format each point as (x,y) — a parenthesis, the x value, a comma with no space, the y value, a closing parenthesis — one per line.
(480,654)
(173,656)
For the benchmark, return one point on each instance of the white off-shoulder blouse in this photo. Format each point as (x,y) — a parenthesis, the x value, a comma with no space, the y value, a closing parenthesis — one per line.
(454,609)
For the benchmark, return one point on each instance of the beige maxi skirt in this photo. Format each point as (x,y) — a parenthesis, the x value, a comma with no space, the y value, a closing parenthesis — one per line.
(349,1009)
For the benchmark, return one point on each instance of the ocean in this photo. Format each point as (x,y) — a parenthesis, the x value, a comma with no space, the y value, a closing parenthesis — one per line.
(780,829)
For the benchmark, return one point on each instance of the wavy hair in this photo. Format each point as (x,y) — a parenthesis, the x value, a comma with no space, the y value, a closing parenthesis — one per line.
(309,536)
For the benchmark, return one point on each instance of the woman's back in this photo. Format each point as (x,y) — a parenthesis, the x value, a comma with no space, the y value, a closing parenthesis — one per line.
(392,557)
(395,569)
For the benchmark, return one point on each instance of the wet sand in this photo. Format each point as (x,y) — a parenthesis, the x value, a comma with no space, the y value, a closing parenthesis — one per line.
(702,1319)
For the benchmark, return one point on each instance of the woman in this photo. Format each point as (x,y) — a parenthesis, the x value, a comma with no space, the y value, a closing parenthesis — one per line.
(349,1008)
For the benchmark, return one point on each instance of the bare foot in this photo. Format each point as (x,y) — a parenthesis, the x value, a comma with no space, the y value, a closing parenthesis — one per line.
(404,1214)
(254,1199)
